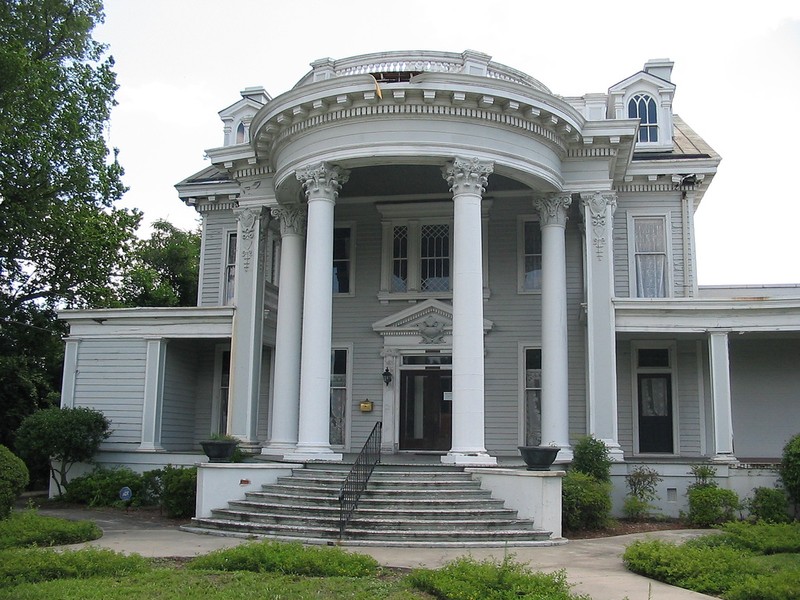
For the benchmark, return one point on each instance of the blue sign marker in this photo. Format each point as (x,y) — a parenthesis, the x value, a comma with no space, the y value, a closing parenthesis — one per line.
(125,493)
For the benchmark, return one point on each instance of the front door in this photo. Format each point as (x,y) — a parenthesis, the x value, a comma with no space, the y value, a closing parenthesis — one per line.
(426,409)
(655,413)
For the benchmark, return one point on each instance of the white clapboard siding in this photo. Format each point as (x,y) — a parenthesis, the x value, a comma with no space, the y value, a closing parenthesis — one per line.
(180,393)
(217,226)
(688,400)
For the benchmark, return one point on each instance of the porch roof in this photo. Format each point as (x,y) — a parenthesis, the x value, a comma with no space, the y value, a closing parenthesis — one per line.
(180,322)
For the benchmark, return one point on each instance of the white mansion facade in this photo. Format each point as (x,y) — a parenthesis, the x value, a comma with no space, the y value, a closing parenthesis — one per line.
(439,242)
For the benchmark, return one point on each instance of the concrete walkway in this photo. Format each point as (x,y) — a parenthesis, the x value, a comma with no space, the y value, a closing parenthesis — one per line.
(593,566)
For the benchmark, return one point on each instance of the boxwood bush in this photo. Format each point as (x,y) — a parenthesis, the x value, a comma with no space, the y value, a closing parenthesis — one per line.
(769,504)
(710,505)
(13,479)
(586,502)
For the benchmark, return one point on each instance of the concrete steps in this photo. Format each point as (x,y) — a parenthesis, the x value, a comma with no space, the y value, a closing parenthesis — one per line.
(406,505)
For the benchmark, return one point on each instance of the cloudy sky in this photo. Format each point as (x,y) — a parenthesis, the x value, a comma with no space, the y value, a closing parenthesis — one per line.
(737,71)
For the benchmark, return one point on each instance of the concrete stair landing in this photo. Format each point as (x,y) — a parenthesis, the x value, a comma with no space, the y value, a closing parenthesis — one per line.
(403,505)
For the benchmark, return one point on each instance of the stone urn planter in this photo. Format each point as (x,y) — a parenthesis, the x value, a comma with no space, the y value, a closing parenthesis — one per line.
(538,458)
(219,451)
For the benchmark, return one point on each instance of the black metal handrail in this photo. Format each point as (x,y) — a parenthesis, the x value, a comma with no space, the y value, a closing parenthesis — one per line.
(356,481)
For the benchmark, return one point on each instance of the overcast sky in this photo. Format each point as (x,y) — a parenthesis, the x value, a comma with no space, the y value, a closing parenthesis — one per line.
(737,71)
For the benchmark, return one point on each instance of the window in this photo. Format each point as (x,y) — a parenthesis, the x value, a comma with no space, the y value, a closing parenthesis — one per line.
(434,256)
(654,406)
(650,257)
(229,287)
(338,410)
(342,260)
(529,256)
(643,107)
(533,396)
(222,382)
(240,134)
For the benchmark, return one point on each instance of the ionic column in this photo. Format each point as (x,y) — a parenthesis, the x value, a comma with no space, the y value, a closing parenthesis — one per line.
(286,394)
(248,324)
(555,388)
(598,210)
(721,396)
(321,184)
(467,180)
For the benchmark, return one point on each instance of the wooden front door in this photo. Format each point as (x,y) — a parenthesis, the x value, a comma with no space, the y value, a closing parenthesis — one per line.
(426,410)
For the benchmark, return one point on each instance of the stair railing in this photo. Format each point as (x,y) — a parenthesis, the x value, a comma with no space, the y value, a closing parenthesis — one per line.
(356,481)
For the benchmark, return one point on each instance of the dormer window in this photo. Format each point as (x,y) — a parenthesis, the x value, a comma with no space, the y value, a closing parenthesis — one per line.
(240,134)
(643,107)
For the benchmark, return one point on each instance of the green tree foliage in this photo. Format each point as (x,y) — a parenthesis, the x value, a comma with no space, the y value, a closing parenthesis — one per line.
(789,470)
(13,479)
(164,269)
(61,237)
(64,435)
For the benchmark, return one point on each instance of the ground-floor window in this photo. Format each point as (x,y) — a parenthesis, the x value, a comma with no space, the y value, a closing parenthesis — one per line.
(654,399)
(338,410)
(532,405)
(222,383)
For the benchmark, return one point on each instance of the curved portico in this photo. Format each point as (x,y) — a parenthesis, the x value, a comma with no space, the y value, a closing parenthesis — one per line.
(477,122)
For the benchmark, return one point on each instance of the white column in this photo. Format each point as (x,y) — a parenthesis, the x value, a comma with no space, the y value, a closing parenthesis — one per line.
(153,395)
(248,324)
(555,386)
(598,210)
(467,180)
(286,395)
(70,372)
(321,184)
(721,396)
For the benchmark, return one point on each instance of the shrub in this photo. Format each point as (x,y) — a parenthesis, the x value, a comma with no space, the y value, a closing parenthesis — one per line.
(101,487)
(591,457)
(642,482)
(289,559)
(465,578)
(703,476)
(783,585)
(33,565)
(789,469)
(28,528)
(13,479)
(762,538)
(711,505)
(64,436)
(586,502)
(706,570)
(768,504)
(179,491)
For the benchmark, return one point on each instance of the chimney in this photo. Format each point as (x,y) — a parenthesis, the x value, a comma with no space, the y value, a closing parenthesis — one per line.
(660,67)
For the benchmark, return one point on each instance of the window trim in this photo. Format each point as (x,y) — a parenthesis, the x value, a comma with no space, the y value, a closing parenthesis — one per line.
(672,347)
(666,216)
(352,291)
(522,220)
(522,348)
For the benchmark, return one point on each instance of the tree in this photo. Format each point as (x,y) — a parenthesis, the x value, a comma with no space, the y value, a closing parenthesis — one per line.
(61,237)
(164,269)
(62,436)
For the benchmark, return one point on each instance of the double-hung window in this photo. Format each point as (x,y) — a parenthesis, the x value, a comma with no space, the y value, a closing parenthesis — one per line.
(229,271)
(532,399)
(338,396)
(529,255)
(342,260)
(649,256)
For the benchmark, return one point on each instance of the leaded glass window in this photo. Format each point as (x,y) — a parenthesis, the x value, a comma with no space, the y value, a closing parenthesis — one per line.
(643,107)
(533,396)
(338,409)
(435,258)
(400,259)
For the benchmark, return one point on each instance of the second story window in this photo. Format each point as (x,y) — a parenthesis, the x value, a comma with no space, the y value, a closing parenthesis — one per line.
(435,258)
(342,260)
(230,270)
(240,139)
(643,107)
(529,257)
(650,257)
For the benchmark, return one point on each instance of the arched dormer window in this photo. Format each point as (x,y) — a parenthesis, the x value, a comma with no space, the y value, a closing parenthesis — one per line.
(643,107)
(240,134)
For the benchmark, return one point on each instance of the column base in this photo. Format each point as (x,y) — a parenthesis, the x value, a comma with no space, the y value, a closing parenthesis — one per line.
(319,454)
(724,459)
(615,452)
(564,456)
(279,451)
(150,447)
(476,459)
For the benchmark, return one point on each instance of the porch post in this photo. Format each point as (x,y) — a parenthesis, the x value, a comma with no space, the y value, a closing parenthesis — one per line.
(70,370)
(248,323)
(467,180)
(153,395)
(286,397)
(598,210)
(321,184)
(555,385)
(721,396)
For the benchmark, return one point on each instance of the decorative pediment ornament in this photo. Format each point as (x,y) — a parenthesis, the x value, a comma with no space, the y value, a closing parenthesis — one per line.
(427,323)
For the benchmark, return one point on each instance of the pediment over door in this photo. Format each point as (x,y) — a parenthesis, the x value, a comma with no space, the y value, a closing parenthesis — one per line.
(429,323)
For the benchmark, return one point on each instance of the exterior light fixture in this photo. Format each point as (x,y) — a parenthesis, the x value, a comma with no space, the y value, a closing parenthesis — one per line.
(387,377)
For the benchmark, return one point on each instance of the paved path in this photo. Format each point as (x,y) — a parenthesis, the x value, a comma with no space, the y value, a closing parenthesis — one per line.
(593,566)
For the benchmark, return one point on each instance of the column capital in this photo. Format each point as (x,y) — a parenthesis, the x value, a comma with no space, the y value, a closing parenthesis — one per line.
(292,218)
(322,181)
(250,219)
(598,209)
(553,209)
(467,175)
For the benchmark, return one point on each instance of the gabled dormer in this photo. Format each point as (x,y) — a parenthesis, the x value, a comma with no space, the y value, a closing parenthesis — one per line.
(236,118)
(647,96)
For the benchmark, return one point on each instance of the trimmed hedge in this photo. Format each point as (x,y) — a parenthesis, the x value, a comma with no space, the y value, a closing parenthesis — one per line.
(13,479)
